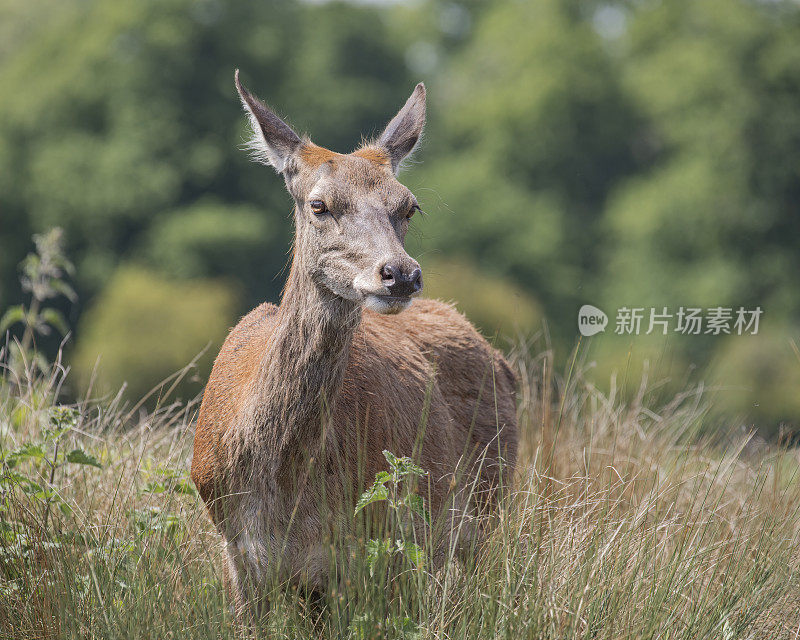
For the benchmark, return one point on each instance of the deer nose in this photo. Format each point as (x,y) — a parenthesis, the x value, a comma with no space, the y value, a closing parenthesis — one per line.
(399,281)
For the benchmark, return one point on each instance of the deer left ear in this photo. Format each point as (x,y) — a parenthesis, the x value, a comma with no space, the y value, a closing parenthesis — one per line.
(273,140)
(403,132)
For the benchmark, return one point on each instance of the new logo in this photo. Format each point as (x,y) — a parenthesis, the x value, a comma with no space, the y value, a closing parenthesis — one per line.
(591,320)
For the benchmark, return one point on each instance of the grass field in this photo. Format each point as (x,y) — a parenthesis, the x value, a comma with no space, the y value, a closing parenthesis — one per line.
(626,520)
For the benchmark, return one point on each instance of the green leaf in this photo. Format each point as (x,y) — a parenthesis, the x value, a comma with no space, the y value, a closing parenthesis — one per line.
(154,487)
(390,458)
(170,481)
(406,467)
(51,435)
(408,629)
(63,417)
(413,552)
(11,317)
(153,519)
(374,494)
(30,451)
(403,466)
(64,289)
(416,503)
(79,456)
(14,479)
(185,487)
(55,318)
(377,549)
(46,495)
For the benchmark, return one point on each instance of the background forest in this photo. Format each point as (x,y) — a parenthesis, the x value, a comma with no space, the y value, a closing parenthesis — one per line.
(639,154)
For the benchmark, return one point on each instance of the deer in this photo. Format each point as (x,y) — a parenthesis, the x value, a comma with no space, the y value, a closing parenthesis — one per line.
(350,363)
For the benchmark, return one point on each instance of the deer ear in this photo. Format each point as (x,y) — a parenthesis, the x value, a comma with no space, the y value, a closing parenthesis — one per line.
(403,132)
(273,140)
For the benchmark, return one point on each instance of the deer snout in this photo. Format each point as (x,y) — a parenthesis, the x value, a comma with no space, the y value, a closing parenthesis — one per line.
(402,280)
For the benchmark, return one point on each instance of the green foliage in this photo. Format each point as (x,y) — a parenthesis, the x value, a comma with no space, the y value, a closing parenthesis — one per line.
(401,539)
(146,327)
(759,378)
(536,132)
(78,456)
(395,488)
(212,239)
(710,221)
(33,468)
(494,304)
(368,626)
(44,278)
(166,480)
(51,487)
(707,216)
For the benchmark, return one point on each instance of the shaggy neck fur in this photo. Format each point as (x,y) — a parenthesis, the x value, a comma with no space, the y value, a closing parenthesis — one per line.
(303,366)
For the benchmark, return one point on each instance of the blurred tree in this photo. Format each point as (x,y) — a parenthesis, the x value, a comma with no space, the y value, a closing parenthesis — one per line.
(715,218)
(144,328)
(494,304)
(714,221)
(210,239)
(536,132)
(758,379)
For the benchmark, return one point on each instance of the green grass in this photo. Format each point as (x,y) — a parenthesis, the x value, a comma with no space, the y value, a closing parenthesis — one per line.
(625,521)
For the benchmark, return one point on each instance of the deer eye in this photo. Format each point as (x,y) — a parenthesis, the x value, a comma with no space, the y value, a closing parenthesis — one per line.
(318,207)
(413,210)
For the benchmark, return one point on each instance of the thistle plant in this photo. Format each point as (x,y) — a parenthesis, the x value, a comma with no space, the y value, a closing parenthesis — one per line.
(44,277)
(396,488)
(32,467)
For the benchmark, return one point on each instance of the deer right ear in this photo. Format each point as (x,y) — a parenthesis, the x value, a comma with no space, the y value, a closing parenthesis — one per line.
(273,140)
(403,132)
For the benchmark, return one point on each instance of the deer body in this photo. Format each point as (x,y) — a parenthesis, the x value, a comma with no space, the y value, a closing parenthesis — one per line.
(333,376)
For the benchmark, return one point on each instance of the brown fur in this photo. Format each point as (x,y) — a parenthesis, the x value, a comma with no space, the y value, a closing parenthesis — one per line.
(303,398)
(389,353)
(374,154)
(314,155)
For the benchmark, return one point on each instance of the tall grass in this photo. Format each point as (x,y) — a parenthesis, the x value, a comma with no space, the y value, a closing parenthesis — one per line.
(625,520)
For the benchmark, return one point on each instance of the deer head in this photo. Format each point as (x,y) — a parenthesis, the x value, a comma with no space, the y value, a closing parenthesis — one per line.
(351,213)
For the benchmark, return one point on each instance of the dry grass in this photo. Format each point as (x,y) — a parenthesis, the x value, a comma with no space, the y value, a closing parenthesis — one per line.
(626,521)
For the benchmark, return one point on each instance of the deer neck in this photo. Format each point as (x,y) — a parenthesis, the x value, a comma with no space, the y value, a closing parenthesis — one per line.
(303,367)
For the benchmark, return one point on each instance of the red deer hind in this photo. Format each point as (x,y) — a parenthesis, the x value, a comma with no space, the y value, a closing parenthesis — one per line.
(337,373)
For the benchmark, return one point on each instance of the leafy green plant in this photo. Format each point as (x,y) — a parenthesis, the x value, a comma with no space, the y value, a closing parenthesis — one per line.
(364,626)
(32,468)
(166,480)
(396,488)
(154,520)
(44,277)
